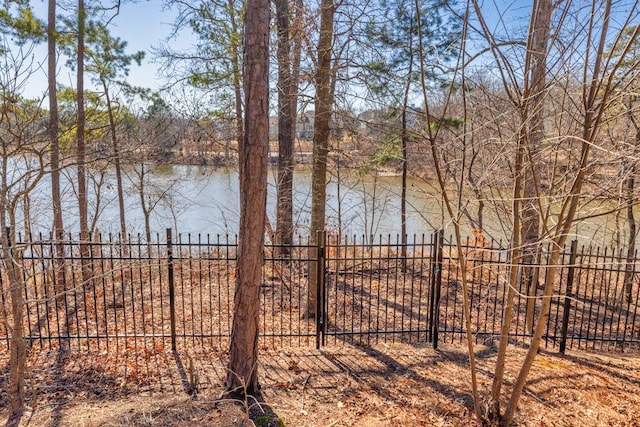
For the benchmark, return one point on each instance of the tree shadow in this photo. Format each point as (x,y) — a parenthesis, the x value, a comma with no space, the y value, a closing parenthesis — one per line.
(58,372)
(394,368)
(188,386)
(14,420)
(57,369)
(604,368)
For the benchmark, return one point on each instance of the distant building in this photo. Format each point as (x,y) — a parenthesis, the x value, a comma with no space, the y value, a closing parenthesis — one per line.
(304,127)
(375,123)
(370,123)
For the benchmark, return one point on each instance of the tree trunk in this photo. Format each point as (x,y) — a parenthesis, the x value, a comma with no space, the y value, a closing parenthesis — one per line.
(284,219)
(594,103)
(404,142)
(146,209)
(18,351)
(526,218)
(116,158)
(631,242)
(58,227)
(630,184)
(17,343)
(533,120)
(323,104)
(242,377)
(237,83)
(514,265)
(26,216)
(296,38)
(80,146)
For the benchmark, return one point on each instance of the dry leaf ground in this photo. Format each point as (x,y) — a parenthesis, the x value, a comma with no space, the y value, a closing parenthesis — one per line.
(385,385)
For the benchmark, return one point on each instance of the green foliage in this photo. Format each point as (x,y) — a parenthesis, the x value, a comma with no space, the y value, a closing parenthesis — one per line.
(158,107)
(395,38)
(389,151)
(107,54)
(17,19)
(18,109)
(267,418)
(206,79)
(630,61)
(97,119)
(378,66)
(215,63)
(22,125)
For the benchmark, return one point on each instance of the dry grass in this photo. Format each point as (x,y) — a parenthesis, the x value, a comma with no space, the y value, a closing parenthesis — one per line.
(385,385)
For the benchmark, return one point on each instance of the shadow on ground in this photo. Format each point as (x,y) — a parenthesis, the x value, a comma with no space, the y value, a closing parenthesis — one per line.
(389,384)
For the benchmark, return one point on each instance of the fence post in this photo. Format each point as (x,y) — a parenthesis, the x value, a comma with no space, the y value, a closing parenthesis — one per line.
(172,293)
(432,284)
(437,274)
(568,296)
(320,294)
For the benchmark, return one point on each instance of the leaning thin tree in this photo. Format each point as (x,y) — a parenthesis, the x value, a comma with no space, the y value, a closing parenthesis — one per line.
(596,83)
(242,377)
(22,166)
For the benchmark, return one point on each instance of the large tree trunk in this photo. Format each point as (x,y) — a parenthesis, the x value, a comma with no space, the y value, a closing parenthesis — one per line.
(284,214)
(323,104)
(242,378)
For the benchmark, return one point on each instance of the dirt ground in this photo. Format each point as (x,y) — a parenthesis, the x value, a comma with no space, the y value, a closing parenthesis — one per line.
(386,385)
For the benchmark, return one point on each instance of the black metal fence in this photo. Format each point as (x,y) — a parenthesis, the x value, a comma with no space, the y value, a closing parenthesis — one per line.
(177,291)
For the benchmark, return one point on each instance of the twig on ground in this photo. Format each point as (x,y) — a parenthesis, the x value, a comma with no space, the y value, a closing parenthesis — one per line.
(388,417)
(304,385)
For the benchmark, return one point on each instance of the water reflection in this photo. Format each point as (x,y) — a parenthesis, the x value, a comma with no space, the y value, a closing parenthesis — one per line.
(197,199)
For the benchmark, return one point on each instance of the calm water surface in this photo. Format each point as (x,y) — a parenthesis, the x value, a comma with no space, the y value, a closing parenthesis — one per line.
(193,199)
(205,200)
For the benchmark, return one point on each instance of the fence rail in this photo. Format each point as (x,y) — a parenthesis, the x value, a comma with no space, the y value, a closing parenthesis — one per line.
(177,291)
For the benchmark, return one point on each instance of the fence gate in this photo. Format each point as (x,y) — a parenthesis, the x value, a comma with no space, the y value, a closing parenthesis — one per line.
(382,290)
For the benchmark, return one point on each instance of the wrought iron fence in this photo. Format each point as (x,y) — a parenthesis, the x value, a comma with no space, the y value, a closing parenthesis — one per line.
(177,291)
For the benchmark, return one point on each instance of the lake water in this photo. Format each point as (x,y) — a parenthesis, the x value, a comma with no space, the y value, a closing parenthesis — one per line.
(194,199)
